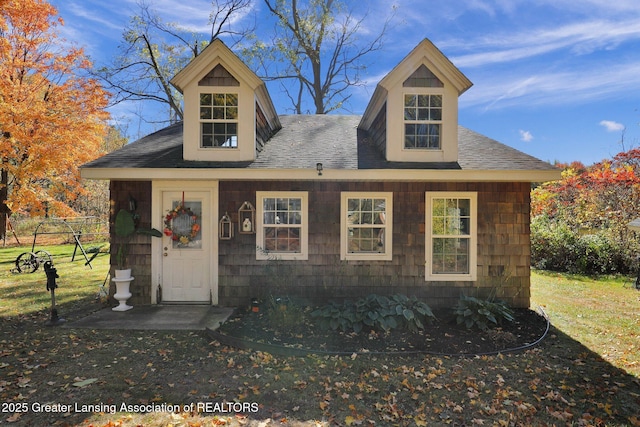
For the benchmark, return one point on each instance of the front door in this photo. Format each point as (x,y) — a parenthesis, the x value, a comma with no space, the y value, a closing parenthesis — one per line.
(186,246)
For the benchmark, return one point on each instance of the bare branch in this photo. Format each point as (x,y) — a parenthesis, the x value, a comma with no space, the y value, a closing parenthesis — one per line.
(318,52)
(222,19)
(153,51)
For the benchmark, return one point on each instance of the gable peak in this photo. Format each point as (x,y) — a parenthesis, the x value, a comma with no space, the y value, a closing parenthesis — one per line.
(435,62)
(219,76)
(203,69)
(423,77)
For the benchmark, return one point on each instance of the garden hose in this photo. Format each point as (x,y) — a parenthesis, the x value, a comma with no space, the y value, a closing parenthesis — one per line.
(293,351)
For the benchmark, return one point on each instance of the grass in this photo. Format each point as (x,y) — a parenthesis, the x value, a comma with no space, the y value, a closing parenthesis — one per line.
(26,294)
(572,378)
(602,313)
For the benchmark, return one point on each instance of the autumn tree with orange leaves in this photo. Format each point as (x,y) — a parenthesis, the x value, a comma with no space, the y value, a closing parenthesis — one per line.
(52,116)
(580,222)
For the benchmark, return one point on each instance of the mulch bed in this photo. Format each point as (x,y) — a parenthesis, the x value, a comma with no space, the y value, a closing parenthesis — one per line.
(247,329)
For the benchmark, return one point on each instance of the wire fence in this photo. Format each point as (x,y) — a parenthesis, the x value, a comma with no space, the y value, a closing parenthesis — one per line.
(27,231)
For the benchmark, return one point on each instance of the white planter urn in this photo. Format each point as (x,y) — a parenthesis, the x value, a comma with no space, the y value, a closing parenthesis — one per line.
(122,280)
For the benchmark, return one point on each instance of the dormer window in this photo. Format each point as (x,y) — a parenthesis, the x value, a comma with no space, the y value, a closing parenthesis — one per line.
(219,120)
(422,121)
(423,111)
(413,114)
(228,114)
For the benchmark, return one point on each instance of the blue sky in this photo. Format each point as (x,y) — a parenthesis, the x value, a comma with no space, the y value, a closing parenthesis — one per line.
(557,79)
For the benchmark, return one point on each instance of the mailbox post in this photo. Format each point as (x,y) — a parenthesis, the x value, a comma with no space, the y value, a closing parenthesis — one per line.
(52,275)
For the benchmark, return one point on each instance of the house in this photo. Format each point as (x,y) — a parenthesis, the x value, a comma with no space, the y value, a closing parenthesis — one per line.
(399,200)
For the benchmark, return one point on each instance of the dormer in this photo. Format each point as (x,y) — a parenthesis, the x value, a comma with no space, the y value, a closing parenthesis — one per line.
(413,114)
(228,113)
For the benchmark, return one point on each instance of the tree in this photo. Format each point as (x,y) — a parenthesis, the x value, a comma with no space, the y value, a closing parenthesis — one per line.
(94,200)
(580,222)
(315,54)
(153,52)
(52,116)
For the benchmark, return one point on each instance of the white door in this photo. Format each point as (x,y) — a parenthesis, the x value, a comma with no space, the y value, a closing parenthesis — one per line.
(186,269)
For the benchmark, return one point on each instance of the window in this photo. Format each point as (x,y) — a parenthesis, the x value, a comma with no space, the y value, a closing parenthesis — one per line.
(451,236)
(282,225)
(422,121)
(366,226)
(219,120)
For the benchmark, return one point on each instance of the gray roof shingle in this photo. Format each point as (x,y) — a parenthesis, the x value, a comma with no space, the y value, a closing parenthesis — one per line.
(304,140)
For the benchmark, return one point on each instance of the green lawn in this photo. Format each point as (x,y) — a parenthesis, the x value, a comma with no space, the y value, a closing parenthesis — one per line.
(25,294)
(603,314)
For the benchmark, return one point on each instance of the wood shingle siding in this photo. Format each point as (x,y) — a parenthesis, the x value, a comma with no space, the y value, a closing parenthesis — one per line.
(139,258)
(219,76)
(264,128)
(503,247)
(378,132)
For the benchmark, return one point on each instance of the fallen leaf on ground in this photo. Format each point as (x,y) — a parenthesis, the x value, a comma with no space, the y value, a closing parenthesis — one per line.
(85,383)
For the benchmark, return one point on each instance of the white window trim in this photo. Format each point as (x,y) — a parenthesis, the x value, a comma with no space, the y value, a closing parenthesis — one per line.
(304,232)
(214,121)
(473,236)
(344,226)
(448,152)
(424,91)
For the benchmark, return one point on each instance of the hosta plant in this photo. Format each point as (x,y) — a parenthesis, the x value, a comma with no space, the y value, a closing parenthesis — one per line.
(481,314)
(375,312)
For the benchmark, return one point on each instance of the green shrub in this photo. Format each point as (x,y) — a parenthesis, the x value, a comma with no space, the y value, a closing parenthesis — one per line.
(552,245)
(375,312)
(558,247)
(481,313)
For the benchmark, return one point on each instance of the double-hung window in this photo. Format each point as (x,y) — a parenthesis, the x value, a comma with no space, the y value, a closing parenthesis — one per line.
(282,225)
(422,121)
(219,120)
(451,236)
(366,226)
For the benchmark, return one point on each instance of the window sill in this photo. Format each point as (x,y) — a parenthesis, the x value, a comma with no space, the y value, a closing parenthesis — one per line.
(367,257)
(281,256)
(450,277)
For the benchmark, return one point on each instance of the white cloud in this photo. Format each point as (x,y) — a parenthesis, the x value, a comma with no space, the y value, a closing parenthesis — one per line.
(525,135)
(193,15)
(581,38)
(565,87)
(600,7)
(96,19)
(612,126)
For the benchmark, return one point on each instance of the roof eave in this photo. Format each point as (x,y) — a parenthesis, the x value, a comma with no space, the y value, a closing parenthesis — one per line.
(269,109)
(310,174)
(376,102)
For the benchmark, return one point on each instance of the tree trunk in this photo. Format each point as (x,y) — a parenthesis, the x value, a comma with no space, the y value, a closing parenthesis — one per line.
(4,209)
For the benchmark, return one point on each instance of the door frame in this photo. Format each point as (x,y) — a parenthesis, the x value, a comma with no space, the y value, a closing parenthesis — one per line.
(158,187)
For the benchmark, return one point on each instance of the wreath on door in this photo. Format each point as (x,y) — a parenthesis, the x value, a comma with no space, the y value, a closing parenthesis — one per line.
(181,224)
